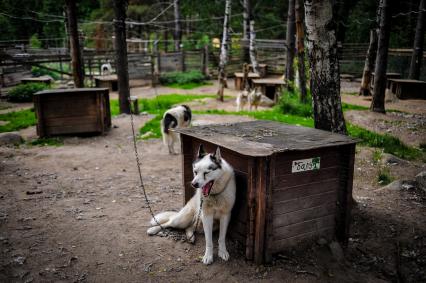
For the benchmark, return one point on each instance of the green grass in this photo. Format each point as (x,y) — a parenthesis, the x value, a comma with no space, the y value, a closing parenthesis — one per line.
(377,156)
(160,103)
(17,120)
(384,176)
(46,142)
(190,85)
(388,143)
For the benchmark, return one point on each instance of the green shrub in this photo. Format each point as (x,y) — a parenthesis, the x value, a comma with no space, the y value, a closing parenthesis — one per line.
(37,72)
(25,92)
(182,77)
(290,103)
(34,41)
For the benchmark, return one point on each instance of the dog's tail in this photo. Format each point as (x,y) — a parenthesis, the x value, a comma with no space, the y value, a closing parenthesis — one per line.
(162,217)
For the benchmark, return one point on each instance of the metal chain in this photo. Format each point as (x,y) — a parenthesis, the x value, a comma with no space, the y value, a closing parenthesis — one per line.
(140,173)
(139,169)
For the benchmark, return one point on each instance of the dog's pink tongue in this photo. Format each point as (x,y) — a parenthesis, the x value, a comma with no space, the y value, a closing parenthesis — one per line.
(206,189)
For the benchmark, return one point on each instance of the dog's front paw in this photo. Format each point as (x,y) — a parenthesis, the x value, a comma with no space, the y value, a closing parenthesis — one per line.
(208,258)
(153,230)
(223,254)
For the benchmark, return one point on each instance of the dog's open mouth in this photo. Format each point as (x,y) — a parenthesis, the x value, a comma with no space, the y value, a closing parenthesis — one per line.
(207,188)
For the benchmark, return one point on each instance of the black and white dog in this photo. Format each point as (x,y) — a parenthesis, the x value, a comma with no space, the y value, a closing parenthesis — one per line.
(176,117)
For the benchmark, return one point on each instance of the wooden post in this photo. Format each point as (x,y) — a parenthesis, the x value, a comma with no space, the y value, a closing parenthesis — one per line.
(206,60)
(182,59)
(120,7)
(60,66)
(89,62)
(76,59)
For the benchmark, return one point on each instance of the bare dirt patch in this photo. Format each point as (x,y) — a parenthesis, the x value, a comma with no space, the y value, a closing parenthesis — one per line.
(75,213)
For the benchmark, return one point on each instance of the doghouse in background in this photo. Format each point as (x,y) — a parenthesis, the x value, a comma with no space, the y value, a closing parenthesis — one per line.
(72,111)
(293,183)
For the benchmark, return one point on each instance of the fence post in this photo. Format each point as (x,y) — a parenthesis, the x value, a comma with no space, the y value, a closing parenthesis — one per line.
(205,63)
(61,67)
(90,71)
(182,54)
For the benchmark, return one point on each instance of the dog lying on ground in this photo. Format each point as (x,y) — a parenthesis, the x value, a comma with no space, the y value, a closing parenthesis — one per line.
(214,181)
(176,117)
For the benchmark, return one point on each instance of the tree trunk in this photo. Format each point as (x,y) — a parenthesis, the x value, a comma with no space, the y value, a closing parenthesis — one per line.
(253,60)
(178,31)
(76,58)
(166,40)
(324,65)
(224,51)
(300,37)
(120,7)
(246,29)
(378,102)
(369,64)
(416,58)
(290,37)
(370,59)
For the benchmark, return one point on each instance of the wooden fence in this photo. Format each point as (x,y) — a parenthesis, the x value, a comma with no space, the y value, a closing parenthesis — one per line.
(16,62)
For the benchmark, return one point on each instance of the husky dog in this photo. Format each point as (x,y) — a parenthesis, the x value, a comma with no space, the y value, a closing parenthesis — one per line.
(214,180)
(242,99)
(176,117)
(106,69)
(254,98)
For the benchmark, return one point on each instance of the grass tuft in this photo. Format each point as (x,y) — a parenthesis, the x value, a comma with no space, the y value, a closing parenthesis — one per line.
(46,142)
(17,120)
(384,176)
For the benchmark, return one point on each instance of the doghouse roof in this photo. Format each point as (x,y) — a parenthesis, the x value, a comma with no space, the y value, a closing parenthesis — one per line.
(69,90)
(264,138)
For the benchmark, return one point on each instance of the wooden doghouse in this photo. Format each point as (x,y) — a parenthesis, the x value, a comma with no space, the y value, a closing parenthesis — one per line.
(72,111)
(270,87)
(110,82)
(293,183)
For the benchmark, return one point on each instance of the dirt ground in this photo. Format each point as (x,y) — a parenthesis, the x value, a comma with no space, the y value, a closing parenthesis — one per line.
(76,213)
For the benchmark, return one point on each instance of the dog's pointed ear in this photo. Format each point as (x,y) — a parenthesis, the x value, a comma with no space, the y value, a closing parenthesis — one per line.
(201,153)
(217,156)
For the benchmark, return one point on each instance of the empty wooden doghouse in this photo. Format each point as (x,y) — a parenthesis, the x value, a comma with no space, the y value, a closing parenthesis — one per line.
(294,184)
(72,111)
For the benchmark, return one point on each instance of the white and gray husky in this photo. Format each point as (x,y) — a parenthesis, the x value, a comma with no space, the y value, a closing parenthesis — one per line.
(214,180)
(176,117)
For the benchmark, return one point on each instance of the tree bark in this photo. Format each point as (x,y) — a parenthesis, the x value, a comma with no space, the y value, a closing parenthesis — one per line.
(324,65)
(76,58)
(178,31)
(369,64)
(378,102)
(253,60)
(300,37)
(416,58)
(246,29)
(290,40)
(224,48)
(370,59)
(120,7)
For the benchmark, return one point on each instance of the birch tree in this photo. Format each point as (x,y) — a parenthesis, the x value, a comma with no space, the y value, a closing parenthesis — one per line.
(290,37)
(300,37)
(120,7)
(378,102)
(246,28)
(224,48)
(370,59)
(178,30)
(416,58)
(324,65)
(253,48)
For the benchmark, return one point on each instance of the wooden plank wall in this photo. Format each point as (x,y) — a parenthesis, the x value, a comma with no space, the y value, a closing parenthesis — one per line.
(304,203)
